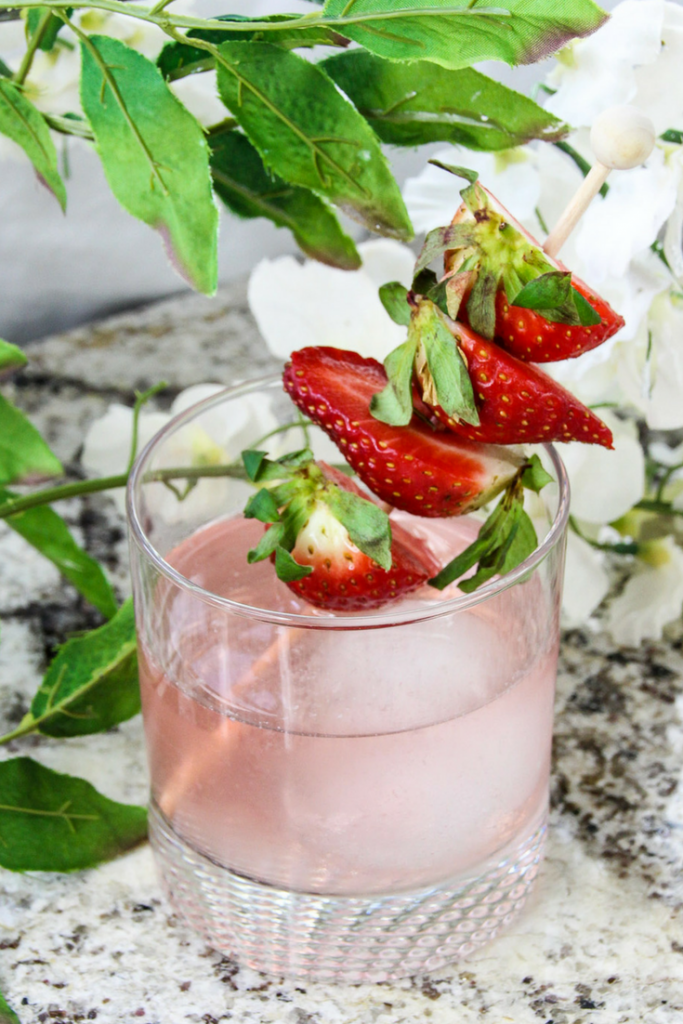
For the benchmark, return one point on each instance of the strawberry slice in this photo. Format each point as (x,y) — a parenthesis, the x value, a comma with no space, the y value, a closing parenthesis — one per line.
(331,544)
(527,335)
(511,290)
(517,403)
(414,467)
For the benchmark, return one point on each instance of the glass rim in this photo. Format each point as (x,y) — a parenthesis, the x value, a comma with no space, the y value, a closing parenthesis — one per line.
(383,616)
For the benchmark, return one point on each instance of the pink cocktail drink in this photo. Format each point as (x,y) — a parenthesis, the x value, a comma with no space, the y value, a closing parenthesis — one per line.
(343,795)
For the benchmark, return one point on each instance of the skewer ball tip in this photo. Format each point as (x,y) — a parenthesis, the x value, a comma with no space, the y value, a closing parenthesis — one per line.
(622,137)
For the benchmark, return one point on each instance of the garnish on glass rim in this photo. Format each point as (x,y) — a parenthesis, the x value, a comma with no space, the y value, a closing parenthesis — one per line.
(331,544)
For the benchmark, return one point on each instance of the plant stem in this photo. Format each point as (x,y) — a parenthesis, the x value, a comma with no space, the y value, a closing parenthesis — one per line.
(664,508)
(313,20)
(625,548)
(110,483)
(70,126)
(33,44)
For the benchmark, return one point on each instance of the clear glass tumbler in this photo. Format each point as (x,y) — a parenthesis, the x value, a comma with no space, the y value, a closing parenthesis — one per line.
(352,797)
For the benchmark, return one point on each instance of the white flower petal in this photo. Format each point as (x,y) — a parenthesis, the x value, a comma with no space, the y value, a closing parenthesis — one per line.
(651,598)
(614,229)
(434,195)
(651,367)
(296,304)
(605,484)
(658,94)
(386,260)
(585,580)
(598,72)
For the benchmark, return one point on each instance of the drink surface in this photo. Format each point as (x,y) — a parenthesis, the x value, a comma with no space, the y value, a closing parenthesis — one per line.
(345,761)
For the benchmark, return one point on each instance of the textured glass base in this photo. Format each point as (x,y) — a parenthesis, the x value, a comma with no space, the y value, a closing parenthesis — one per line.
(343,938)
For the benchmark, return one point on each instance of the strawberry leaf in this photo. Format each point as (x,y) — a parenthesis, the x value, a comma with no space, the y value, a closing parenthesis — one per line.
(459,172)
(266,546)
(366,524)
(394,405)
(452,384)
(262,506)
(287,569)
(439,240)
(394,298)
(588,317)
(534,476)
(253,460)
(524,542)
(549,291)
(481,305)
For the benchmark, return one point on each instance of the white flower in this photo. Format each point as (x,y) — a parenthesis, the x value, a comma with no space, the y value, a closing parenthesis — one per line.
(628,219)
(605,484)
(298,304)
(652,597)
(599,72)
(585,580)
(651,367)
(217,438)
(434,195)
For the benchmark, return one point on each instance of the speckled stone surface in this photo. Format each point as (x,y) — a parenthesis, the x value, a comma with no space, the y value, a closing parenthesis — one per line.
(601,940)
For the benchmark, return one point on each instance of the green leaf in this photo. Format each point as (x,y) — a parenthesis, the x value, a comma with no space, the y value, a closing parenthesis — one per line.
(308,134)
(177,57)
(490,535)
(451,379)
(267,544)
(287,569)
(262,506)
(494,561)
(366,524)
(24,456)
(246,188)
(53,25)
(534,476)
(394,298)
(458,171)
(394,404)
(21,122)
(46,531)
(418,103)
(154,154)
(588,317)
(458,33)
(7,1014)
(553,296)
(438,240)
(481,305)
(253,460)
(92,683)
(54,822)
(524,543)
(11,358)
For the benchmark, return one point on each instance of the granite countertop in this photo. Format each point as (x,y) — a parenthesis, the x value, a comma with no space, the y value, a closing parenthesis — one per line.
(601,940)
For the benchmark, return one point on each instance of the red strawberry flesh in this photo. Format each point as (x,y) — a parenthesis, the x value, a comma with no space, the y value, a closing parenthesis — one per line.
(414,468)
(525,332)
(518,403)
(345,579)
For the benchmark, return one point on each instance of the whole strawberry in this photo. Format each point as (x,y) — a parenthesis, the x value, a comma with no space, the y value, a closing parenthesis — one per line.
(414,467)
(331,544)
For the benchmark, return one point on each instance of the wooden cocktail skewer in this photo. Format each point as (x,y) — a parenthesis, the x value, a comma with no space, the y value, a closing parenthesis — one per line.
(621,138)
